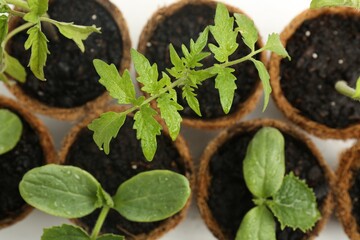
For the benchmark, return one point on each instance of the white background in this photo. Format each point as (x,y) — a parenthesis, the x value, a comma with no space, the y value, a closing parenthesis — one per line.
(269,16)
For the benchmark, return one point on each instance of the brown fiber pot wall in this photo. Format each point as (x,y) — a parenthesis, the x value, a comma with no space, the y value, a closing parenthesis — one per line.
(243,108)
(290,111)
(185,161)
(205,177)
(349,163)
(78,112)
(48,152)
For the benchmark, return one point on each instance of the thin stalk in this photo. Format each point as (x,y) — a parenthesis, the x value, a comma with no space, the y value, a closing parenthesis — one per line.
(99,222)
(15,13)
(243,59)
(343,88)
(19,3)
(16,31)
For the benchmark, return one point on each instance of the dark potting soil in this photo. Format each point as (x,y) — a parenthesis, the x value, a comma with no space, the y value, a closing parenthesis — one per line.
(71,78)
(26,155)
(124,161)
(355,197)
(178,29)
(229,198)
(323,50)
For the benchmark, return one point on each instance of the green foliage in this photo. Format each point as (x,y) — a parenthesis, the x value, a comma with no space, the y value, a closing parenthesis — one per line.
(76,33)
(37,9)
(3,32)
(37,41)
(356,95)
(274,44)
(105,128)
(247,29)
(224,34)
(334,3)
(10,130)
(147,129)
(14,68)
(295,204)
(68,232)
(190,96)
(225,83)
(110,237)
(265,79)
(152,196)
(67,192)
(119,87)
(264,163)
(258,224)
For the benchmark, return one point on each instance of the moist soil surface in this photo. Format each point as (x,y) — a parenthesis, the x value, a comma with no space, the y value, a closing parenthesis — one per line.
(71,78)
(323,51)
(178,29)
(355,197)
(229,198)
(124,161)
(26,155)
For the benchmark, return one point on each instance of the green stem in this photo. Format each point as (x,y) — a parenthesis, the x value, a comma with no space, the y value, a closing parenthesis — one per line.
(99,222)
(243,59)
(15,13)
(19,3)
(16,31)
(343,88)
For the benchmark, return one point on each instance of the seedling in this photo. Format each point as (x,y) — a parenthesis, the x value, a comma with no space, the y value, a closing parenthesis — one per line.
(10,132)
(341,86)
(189,75)
(287,198)
(70,192)
(35,12)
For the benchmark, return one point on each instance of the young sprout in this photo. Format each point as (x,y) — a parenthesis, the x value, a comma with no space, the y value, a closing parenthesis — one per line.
(189,74)
(275,195)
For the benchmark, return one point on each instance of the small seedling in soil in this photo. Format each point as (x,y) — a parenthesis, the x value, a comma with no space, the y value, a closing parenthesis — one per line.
(189,75)
(341,86)
(70,192)
(33,12)
(287,198)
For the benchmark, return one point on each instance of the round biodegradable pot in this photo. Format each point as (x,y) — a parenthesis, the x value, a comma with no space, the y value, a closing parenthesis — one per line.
(347,191)
(177,24)
(35,148)
(125,161)
(223,197)
(324,47)
(72,85)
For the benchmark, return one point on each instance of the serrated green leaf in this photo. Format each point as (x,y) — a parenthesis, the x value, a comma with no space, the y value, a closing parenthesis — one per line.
(247,29)
(147,130)
(193,58)
(119,87)
(76,33)
(265,80)
(37,9)
(68,232)
(175,59)
(148,74)
(62,191)
(4,7)
(274,44)
(258,224)
(37,41)
(225,83)
(224,34)
(189,95)
(3,34)
(357,89)
(294,204)
(110,237)
(169,112)
(14,68)
(10,130)
(152,196)
(105,128)
(264,163)
(334,3)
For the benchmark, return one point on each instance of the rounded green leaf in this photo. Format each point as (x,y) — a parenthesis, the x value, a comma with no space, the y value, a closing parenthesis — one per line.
(264,163)
(10,130)
(152,196)
(63,191)
(68,232)
(258,224)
